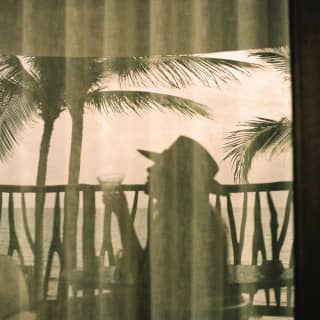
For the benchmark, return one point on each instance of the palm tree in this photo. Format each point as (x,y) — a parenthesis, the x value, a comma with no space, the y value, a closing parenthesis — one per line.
(256,136)
(43,87)
(261,134)
(31,88)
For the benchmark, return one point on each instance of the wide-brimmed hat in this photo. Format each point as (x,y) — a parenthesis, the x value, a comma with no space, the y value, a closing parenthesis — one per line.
(187,150)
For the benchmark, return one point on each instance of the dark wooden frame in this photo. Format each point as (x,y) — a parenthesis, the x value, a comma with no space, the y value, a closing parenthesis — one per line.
(305,39)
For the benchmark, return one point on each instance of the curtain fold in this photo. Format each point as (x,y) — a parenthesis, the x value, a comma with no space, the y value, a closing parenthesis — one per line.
(138,28)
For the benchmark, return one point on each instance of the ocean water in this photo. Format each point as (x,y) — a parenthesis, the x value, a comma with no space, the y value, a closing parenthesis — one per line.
(140,226)
(141,229)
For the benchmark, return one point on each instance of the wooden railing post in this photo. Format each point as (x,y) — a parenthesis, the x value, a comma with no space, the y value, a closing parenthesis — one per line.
(274,227)
(13,239)
(258,238)
(243,224)
(38,247)
(88,234)
(55,247)
(233,231)
(25,222)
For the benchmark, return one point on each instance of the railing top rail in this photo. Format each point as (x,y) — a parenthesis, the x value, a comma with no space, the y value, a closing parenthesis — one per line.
(215,188)
(252,187)
(64,188)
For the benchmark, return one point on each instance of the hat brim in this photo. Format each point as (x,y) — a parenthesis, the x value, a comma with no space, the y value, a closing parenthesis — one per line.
(154,156)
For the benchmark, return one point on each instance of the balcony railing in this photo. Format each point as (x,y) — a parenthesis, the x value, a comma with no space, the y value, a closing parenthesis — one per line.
(259,218)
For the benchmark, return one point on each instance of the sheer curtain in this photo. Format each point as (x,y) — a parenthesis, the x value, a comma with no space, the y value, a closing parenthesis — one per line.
(85,29)
(138,28)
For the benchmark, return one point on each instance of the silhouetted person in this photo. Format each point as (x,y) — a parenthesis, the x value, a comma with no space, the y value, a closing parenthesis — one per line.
(182,274)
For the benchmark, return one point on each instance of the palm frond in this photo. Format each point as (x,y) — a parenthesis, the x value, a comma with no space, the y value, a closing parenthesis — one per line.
(16,112)
(70,75)
(16,78)
(259,135)
(176,71)
(10,66)
(51,82)
(278,58)
(18,90)
(121,101)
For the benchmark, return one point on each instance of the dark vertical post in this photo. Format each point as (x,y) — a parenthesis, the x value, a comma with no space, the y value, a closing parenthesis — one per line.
(13,238)
(243,224)
(0,206)
(233,231)
(274,225)
(258,238)
(305,44)
(88,230)
(55,245)
(38,247)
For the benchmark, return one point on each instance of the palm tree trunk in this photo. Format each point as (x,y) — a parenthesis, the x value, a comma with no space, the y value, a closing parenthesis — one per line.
(39,208)
(72,197)
(76,145)
(71,207)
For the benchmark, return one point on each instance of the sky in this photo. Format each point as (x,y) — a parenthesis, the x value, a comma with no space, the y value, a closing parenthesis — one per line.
(110,142)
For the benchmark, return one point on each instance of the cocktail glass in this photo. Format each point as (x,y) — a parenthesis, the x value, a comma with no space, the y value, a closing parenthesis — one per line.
(110,182)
